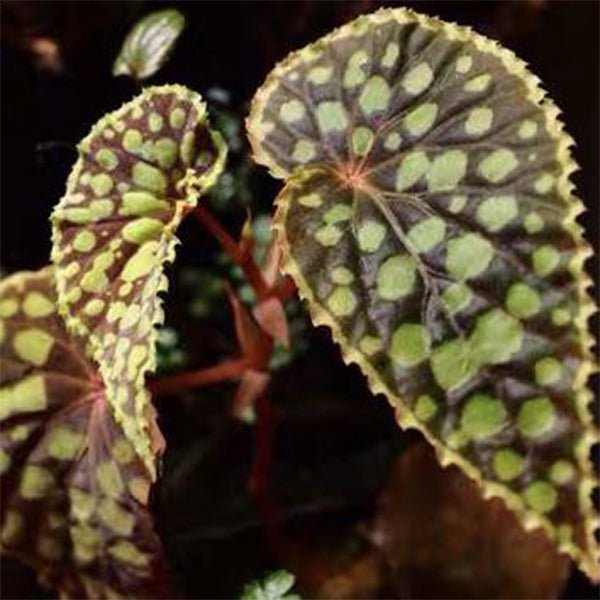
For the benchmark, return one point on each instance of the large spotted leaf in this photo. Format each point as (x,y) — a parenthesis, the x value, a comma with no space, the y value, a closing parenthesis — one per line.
(74,492)
(140,170)
(428,219)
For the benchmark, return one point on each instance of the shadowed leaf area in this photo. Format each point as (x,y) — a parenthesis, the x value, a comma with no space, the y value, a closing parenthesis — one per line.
(139,171)
(74,492)
(428,220)
(441,539)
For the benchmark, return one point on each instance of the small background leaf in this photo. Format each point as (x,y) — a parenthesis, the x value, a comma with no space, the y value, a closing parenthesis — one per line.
(148,45)
(139,170)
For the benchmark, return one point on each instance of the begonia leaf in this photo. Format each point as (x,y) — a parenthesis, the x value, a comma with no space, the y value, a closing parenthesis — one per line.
(428,220)
(74,492)
(139,171)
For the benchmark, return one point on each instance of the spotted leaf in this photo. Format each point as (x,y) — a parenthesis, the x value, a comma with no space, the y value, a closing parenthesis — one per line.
(140,170)
(148,45)
(74,492)
(429,221)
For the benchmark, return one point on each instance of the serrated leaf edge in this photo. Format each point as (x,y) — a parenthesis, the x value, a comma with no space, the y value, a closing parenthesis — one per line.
(537,95)
(194,187)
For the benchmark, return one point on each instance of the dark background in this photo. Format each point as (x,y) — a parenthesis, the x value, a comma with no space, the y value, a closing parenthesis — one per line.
(335,447)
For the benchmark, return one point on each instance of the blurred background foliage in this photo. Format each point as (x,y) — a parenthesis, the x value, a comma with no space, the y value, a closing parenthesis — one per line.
(365,511)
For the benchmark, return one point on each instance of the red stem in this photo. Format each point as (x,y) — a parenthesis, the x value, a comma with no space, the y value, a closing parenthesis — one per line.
(261,468)
(285,289)
(177,383)
(233,250)
(260,476)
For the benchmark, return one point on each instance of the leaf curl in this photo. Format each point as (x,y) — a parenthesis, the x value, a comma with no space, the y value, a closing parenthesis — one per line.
(429,221)
(149,43)
(74,492)
(140,170)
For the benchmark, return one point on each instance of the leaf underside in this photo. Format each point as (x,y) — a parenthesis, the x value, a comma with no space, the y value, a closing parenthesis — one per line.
(74,492)
(140,169)
(149,43)
(428,220)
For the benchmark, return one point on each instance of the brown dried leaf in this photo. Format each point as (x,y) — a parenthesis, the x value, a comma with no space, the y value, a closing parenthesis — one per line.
(442,540)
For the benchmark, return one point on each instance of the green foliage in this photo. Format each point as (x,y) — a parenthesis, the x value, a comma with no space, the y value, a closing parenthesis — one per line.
(140,170)
(234,189)
(149,43)
(428,220)
(74,492)
(169,353)
(274,586)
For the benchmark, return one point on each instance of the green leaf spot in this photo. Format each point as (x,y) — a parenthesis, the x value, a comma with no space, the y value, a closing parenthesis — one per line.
(545,260)
(541,496)
(468,256)
(33,346)
(523,301)
(482,416)
(342,301)
(548,371)
(536,417)
(427,234)
(418,79)
(421,119)
(362,140)
(496,337)
(479,121)
(508,464)
(498,165)
(496,212)
(410,345)
(396,277)
(370,236)
(452,364)
(425,408)
(411,169)
(332,116)
(446,171)
(562,472)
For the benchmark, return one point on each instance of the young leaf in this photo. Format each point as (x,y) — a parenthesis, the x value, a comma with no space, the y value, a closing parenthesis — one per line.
(149,44)
(140,170)
(429,221)
(74,492)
